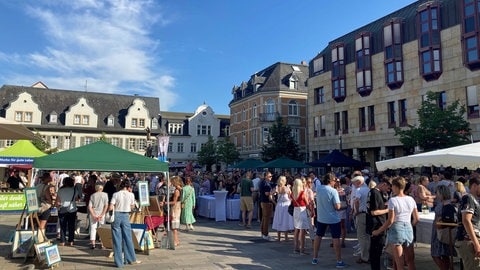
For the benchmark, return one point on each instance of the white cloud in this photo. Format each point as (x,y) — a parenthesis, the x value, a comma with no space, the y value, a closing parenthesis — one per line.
(109,44)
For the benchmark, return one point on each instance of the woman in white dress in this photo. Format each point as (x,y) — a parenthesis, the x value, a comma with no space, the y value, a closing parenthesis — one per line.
(282,220)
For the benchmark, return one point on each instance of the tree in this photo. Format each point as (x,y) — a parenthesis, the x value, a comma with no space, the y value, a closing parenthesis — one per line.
(208,154)
(438,128)
(280,143)
(227,151)
(41,144)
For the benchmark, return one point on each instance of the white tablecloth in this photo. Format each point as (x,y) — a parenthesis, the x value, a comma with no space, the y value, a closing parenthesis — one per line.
(206,206)
(424,227)
(233,209)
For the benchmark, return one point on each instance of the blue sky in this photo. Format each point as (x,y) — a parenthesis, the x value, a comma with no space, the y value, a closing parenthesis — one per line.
(186,52)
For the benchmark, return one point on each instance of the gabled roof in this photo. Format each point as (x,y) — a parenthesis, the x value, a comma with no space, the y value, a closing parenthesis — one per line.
(58,100)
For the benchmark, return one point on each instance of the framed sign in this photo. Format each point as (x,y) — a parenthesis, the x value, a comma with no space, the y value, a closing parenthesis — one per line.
(32,199)
(52,254)
(40,250)
(143,193)
(22,243)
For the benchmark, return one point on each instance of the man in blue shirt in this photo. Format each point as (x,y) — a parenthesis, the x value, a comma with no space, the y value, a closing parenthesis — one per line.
(328,202)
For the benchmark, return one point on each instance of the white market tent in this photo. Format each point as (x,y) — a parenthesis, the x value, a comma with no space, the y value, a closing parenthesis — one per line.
(467,155)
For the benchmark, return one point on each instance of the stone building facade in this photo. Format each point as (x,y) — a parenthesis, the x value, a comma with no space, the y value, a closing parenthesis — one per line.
(367,82)
(279,90)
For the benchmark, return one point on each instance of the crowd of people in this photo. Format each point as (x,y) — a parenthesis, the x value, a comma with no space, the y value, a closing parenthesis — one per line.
(382,209)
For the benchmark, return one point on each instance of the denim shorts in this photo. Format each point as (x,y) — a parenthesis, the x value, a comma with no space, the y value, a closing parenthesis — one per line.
(400,233)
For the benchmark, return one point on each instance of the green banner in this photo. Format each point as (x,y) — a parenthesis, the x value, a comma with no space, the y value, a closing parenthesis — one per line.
(12,201)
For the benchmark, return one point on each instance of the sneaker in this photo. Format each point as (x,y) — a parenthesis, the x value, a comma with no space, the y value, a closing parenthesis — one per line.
(315,261)
(356,246)
(356,254)
(340,264)
(265,237)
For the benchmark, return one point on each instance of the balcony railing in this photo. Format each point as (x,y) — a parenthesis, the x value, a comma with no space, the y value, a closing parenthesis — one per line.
(268,117)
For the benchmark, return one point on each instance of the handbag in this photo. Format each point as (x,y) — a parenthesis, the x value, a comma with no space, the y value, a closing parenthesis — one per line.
(290,209)
(44,206)
(110,216)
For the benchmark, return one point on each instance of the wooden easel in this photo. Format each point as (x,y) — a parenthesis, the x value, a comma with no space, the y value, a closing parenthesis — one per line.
(144,211)
(30,218)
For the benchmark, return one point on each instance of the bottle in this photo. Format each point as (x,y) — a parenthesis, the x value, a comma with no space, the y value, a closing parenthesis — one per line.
(425,209)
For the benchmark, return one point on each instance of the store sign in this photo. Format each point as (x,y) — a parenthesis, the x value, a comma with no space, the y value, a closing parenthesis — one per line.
(10,201)
(16,160)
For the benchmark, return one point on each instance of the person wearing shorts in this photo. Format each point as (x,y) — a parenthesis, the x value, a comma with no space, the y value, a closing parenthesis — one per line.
(246,200)
(328,203)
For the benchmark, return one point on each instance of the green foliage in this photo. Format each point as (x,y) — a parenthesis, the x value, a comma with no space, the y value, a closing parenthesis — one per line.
(227,151)
(208,154)
(280,143)
(103,137)
(437,128)
(40,143)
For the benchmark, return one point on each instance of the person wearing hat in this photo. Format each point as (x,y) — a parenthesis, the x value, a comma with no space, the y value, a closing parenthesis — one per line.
(360,214)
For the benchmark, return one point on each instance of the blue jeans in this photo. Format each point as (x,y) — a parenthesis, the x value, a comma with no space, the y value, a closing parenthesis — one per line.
(122,239)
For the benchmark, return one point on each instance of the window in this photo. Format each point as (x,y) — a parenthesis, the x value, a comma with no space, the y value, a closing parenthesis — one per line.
(254,139)
(141,122)
(345,122)
(323,126)
(134,123)
(295,133)
(76,119)
(9,143)
(142,144)
(85,120)
(180,147)
(66,142)
(265,135)
(293,83)
(244,114)
(88,140)
(175,128)
(391,114)
(470,35)
(115,142)
(472,102)
(170,147)
(23,116)
(270,110)
(338,73)
(131,143)
(318,65)
(392,41)
(292,108)
(402,108)
(111,121)
(254,110)
(154,123)
(371,117)
(53,142)
(193,147)
(204,130)
(429,45)
(442,100)
(336,122)
(362,119)
(363,64)
(53,118)
(316,126)
(19,116)
(244,140)
(319,95)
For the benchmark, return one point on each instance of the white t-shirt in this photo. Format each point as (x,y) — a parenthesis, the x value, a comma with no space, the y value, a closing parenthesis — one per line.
(123,201)
(403,207)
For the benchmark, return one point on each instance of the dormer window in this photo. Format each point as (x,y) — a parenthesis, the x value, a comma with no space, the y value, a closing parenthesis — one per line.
(111,121)
(53,118)
(293,83)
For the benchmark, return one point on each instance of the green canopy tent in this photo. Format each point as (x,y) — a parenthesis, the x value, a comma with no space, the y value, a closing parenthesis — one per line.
(284,163)
(21,152)
(249,163)
(99,156)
